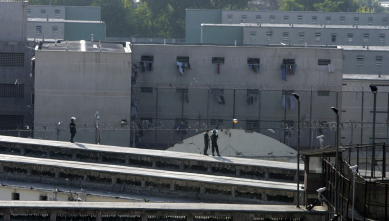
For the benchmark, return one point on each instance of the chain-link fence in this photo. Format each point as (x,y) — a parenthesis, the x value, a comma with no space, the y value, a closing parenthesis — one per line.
(167,114)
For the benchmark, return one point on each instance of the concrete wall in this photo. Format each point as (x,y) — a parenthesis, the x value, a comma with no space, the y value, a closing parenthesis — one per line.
(83,13)
(221,35)
(310,35)
(194,19)
(166,104)
(306,17)
(369,65)
(13,21)
(78,84)
(35,11)
(10,105)
(47,30)
(83,31)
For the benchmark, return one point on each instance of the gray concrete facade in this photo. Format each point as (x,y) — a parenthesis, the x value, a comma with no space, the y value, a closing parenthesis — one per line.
(162,101)
(13,21)
(77,82)
(302,17)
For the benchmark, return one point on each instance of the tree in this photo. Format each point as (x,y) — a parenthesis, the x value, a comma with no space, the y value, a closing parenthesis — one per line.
(327,6)
(308,4)
(291,5)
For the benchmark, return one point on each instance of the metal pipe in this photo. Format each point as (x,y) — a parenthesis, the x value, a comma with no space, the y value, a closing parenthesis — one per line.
(352,212)
(298,154)
(373,149)
(233,112)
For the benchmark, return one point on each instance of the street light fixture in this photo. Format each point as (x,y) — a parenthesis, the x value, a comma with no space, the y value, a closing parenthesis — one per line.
(337,158)
(298,148)
(373,89)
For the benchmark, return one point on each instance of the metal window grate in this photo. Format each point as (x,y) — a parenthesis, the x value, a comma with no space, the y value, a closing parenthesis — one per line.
(217,60)
(11,122)
(251,124)
(356,20)
(324,61)
(272,18)
(366,37)
(317,36)
(183,59)
(299,19)
(253,35)
(301,36)
(360,60)
(258,17)
(57,12)
(55,30)
(333,37)
(147,58)
(350,37)
(328,20)
(215,122)
(38,30)
(323,93)
(286,19)
(253,61)
(244,18)
(285,36)
(370,21)
(382,38)
(378,60)
(314,20)
(11,59)
(12,90)
(146,90)
(269,36)
(342,20)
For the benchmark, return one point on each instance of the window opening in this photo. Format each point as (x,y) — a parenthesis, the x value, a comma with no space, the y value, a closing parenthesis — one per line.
(342,20)
(301,36)
(28,12)
(55,30)
(254,64)
(244,18)
(323,93)
(299,19)
(317,36)
(314,20)
(333,37)
(146,90)
(272,18)
(229,18)
(285,36)
(286,19)
(366,37)
(38,30)
(258,18)
(269,36)
(11,59)
(15,196)
(370,21)
(57,12)
(384,21)
(218,93)
(356,20)
(378,60)
(146,63)
(324,61)
(252,96)
(43,13)
(350,37)
(217,60)
(382,38)
(328,20)
(360,60)
(12,90)
(253,35)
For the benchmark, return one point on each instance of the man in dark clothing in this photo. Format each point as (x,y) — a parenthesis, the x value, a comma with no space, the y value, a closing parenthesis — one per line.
(206,142)
(73,130)
(214,138)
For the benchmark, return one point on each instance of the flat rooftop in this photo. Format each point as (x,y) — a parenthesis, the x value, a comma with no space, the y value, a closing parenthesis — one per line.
(83,46)
(317,26)
(361,48)
(57,20)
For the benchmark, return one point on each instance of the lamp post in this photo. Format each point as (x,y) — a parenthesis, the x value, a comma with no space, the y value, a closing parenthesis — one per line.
(373,89)
(354,170)
(337,158)
(298,148)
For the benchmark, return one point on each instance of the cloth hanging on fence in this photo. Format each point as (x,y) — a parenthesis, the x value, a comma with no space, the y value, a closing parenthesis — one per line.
(149,66)
(134,108)
(288,102)
(146,66)
(330,69)
(255,67)
(283,73)
(143,66)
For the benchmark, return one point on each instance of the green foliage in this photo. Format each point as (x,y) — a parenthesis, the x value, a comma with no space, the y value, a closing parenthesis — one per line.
(290,5)
(327,6)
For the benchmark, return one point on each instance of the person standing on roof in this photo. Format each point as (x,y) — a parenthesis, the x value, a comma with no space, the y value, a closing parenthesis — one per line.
(73,129)
(214,138)
(206,142)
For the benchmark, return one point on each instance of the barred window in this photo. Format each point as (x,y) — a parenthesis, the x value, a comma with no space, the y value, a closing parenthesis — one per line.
(258,17)
(269,36)
(253,35)
(324,61)
(28,12)
(356,20)
(55,30)
(146,90)
(366,37)
(272,18)
(301,36)
(370,21)
(38,30)
(299,19)
(286,19)
(229,17)
(323,93)
(382,38)
(350,37)
(9,122)
(57,12)
(317,36)
(360,60)
(43,13)
(285,36)
(12,90)
(314,20)
(342,20)
(378,60)
(11,59)
(244,18)
(328,20)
